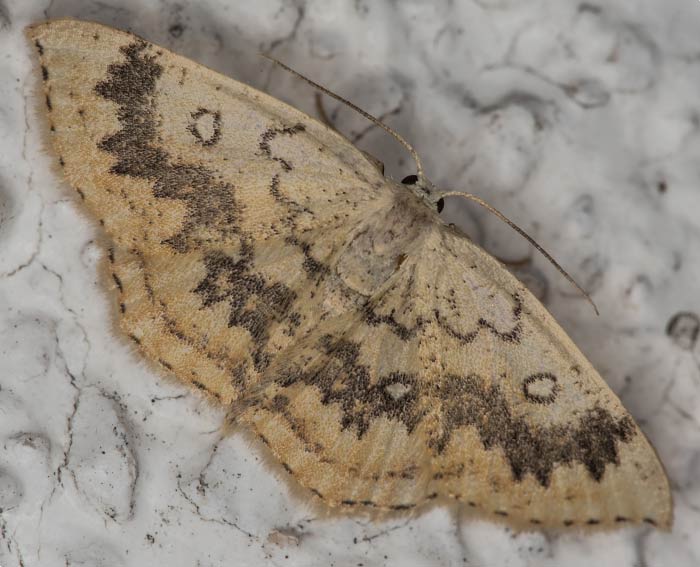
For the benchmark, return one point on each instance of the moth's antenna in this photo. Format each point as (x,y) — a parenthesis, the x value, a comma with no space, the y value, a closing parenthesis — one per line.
(367,115)
(527,237)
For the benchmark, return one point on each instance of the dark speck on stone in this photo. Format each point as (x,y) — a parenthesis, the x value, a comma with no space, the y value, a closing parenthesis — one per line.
(176,30)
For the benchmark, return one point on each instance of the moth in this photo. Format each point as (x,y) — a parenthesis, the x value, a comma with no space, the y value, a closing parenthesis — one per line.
(383,358)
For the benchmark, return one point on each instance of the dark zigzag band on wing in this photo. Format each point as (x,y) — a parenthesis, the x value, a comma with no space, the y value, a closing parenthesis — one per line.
(211,204)
(462,401)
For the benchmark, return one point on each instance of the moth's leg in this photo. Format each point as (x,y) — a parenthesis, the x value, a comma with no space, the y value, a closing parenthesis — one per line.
(322,114)
(320,109)
(374,161)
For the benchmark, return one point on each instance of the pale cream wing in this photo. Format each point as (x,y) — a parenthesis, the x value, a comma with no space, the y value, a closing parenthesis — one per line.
(220,203)
(453,381)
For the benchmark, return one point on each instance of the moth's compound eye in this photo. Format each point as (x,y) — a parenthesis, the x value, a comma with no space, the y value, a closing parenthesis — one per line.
(440,205)
(205,126)
(410,180)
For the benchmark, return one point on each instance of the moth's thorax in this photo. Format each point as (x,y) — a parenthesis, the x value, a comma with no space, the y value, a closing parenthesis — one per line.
(383,240)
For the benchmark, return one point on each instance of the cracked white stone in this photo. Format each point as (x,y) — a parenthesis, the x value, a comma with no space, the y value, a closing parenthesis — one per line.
(101,461)
(579,120)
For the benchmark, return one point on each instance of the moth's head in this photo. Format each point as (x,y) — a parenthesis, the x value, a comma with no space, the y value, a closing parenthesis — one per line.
(423,188)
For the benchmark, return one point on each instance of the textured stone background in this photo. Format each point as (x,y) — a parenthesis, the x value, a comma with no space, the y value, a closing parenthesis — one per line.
(581,121)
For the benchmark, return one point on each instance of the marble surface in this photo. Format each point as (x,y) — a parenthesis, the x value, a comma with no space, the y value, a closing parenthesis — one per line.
(581,121)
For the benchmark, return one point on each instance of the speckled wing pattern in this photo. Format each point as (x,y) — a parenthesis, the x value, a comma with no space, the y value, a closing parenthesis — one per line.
(384,359)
